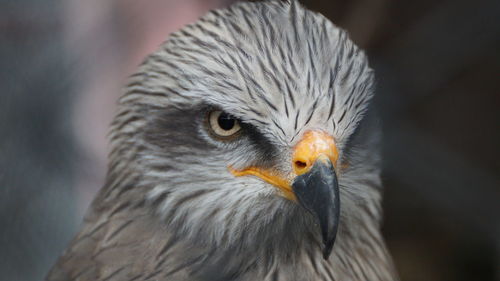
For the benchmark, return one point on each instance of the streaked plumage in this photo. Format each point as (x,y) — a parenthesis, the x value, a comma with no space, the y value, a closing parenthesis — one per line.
(171,209)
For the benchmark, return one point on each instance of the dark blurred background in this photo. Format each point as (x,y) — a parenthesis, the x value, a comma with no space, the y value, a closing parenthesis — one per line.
(62,64)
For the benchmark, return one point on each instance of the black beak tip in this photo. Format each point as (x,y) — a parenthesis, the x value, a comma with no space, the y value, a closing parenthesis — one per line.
(318,192)
(326,253)
(327,248)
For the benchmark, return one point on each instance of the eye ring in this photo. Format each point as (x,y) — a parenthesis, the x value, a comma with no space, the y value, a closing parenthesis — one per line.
(222,125)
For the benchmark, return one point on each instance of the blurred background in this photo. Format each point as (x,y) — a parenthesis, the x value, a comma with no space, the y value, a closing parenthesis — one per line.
(62,65)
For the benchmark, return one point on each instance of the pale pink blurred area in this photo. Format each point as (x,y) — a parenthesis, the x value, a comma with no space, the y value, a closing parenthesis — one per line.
(110,39)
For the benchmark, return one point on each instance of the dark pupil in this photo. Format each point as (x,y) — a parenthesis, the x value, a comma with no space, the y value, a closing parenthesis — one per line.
(226,122)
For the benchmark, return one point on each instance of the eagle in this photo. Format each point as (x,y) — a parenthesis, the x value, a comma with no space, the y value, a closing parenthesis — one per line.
(244,148)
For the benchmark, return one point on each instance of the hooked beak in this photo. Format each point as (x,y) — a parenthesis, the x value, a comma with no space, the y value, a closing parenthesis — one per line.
(318,192)
(314,182)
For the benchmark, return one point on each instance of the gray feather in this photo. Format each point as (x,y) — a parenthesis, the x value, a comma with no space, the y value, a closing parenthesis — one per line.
(171,210)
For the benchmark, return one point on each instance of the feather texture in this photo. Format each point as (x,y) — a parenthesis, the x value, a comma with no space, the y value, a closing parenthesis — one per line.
(171,210)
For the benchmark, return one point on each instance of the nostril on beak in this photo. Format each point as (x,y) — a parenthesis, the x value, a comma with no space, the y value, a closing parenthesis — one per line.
(299,166)
(314,145)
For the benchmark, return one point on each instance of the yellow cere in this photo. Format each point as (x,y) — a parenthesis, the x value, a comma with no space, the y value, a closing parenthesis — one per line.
(314,145)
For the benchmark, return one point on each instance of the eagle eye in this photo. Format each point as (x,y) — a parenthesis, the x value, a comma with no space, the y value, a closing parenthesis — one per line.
(222,124)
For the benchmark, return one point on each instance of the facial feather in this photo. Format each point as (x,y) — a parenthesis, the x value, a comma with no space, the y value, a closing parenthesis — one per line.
(281,70)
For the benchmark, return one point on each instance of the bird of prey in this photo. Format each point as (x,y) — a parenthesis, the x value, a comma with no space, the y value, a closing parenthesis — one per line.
(242,150)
